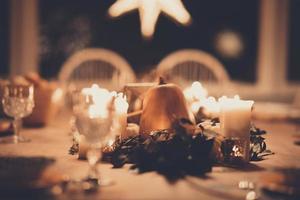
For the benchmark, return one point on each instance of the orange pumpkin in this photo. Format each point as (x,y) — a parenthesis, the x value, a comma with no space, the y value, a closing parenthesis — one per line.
(162,105)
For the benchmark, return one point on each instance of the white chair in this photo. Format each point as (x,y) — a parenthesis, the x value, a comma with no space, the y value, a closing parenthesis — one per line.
(96,65)
(188,65)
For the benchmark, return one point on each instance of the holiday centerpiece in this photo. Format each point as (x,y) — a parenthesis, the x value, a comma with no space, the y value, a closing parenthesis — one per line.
(179,133)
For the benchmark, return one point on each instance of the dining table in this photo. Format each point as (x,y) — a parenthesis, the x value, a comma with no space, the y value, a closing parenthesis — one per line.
(54,141)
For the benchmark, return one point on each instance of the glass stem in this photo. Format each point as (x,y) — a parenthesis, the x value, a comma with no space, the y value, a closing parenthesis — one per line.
(93,156)
(17,125)
(93,172)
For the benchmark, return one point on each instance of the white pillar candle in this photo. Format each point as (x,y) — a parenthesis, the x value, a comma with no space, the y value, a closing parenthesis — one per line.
(120,121)
(235,119)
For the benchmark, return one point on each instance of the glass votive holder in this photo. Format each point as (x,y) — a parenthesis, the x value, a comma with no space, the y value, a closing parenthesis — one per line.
(235,150)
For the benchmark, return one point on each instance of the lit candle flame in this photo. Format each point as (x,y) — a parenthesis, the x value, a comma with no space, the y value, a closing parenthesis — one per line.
(110,143)
(195,92)
(235,101)
(236,151)
(197,97)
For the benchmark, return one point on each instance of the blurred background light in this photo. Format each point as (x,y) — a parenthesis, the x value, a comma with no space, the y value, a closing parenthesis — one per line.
(229,44)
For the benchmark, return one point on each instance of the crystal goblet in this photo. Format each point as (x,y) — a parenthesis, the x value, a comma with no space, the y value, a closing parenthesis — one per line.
(96,130)
(18,102)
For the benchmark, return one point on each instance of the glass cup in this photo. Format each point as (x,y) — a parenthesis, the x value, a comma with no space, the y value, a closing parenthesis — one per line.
(18,102)
(96,131)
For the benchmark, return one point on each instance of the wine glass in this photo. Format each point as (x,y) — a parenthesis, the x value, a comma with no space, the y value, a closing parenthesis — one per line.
(96,129)
(18,102)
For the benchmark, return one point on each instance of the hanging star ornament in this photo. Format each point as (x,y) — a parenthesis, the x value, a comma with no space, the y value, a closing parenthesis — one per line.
(150,10)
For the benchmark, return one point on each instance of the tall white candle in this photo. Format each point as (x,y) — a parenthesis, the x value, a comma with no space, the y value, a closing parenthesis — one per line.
(235,119)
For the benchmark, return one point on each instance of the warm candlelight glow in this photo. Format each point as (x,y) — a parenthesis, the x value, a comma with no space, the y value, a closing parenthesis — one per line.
(235,102)
(57,95)
(212,106)
(97,110)
(120,119)
(101,100)
(197,97)
(235,119)
(234,114)
(195,92)
(120,103)
(110,143)
(105,103)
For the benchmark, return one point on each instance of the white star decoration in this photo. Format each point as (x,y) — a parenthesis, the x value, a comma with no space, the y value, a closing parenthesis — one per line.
(149,12)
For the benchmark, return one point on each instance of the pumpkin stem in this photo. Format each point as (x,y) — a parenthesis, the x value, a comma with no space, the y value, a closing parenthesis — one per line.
(161,81)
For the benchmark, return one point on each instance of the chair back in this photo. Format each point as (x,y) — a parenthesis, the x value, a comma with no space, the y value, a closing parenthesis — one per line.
(188,65)
(96,65)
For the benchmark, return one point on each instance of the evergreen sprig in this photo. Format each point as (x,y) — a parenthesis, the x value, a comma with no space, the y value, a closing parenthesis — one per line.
(171,153)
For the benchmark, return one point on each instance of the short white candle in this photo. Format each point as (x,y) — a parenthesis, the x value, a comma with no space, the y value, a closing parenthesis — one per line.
(235,119)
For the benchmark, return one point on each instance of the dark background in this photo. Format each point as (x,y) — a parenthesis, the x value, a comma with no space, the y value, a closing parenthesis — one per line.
(68,26)
(4,39)
(294,41)
(60,21)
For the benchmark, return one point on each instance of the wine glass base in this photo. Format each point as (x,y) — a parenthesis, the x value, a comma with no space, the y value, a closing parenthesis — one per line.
(105,182)
(92,184)
(13,140)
